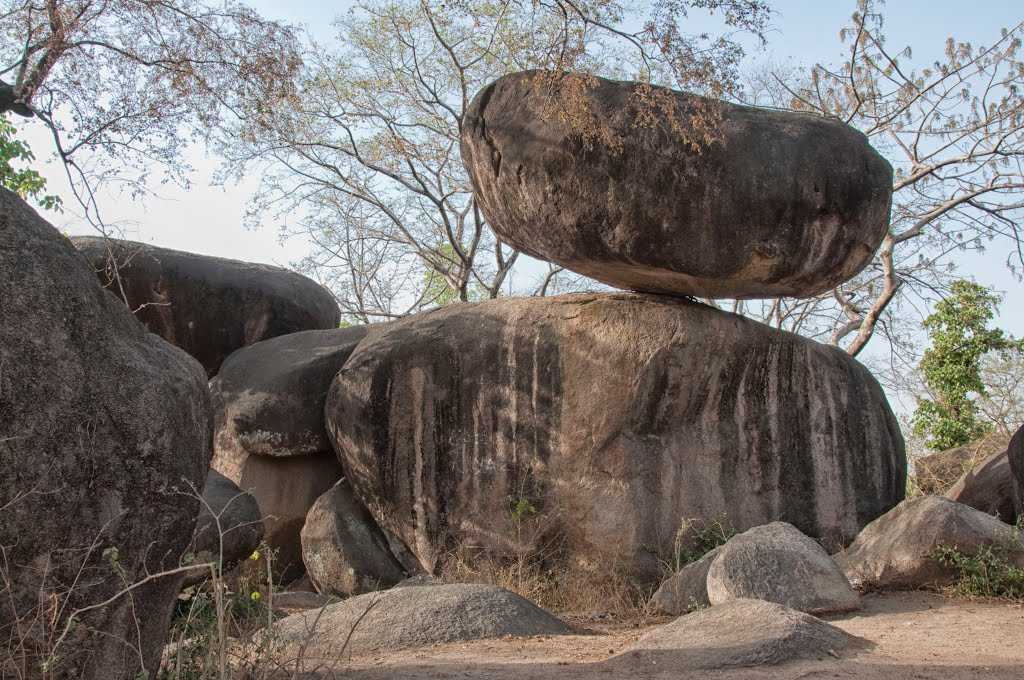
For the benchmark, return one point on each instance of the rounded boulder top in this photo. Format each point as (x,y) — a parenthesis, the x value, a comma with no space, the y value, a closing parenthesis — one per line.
(779,204)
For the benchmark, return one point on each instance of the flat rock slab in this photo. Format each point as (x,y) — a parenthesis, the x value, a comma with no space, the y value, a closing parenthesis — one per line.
(403,618)
(739,633)
(208,306)
(778,563)
(784,204)
(897,550)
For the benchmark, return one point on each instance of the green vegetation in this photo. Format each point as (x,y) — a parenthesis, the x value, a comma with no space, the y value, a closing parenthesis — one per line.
(25,182)
(951,367)
(696,538)
(986,573)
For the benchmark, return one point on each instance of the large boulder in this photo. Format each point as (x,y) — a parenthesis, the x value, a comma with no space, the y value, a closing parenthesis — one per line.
(686,590)
(777,563)
(99,422)
(600,421)
(343,549)
(208,306)
(268,398)
(1015,455)
(898,550)
(782,204)
(404,618)
(990,487)
(285,489)
(937,473)
(229,527)
(737,633)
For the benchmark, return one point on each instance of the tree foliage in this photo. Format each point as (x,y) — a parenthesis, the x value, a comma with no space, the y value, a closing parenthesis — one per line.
(126,85)
(952,366)
(953,130)
(25,182)
(364,161)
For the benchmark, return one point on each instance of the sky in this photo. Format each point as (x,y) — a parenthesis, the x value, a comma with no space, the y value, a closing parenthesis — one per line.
(209,219)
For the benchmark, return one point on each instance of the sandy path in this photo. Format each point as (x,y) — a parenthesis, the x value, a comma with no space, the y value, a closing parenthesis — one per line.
(916,636)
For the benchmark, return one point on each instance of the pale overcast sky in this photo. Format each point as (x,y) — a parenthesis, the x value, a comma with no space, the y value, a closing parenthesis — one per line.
(207,219)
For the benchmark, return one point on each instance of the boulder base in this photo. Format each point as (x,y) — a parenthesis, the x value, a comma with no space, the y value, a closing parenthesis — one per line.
(784,204)
(602,421)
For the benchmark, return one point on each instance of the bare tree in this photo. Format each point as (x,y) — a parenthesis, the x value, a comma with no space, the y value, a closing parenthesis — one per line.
(125,85)
(954,132)
(365,163)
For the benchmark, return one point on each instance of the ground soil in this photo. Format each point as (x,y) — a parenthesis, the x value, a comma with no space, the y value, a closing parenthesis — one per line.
(919,636)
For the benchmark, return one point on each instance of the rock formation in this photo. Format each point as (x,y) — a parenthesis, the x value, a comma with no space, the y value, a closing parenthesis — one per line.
(604,419)
(208,306)
(783,204)
(99,422)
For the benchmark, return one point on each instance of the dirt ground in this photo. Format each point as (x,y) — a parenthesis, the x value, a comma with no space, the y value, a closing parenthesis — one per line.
(917,636)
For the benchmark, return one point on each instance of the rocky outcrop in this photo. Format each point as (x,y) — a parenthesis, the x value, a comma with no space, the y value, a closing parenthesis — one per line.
(898,550)
(343,549)
(403,618)
(737,633)
(937,473)
(1015,455)
(208,306)
(604,419)
(99,421)
(784,204)
(990,487)
(229,527)
(285,489)
(686,590)
(268,398)
(777,563)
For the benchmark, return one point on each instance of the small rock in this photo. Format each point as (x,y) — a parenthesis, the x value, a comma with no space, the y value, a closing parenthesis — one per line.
(897,549)
(234,528)
(686,590)
(740,632)
(403,618)
(777,563)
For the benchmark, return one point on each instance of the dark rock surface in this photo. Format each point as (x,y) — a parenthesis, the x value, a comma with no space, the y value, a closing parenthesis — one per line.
(344,550)
(230,526)
(285,489)
(404,618)
(990,487)
(897,550)
(777,563)
(268,398)
(208,306)
(99,420)
(785,204)
(1015,455)
(738,633)
(602,420)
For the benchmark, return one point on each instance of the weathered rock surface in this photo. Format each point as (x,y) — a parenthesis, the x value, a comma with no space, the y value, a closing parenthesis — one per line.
(1015,454)
(685,590)
(98,421)
(285,489)
(784,204)
(230,526)
(897,549)
(403,618)
(739,633)
(344,550)
(268,398)
(937,473)
(990,487)
(610,416)
(777,563)
(208,306)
